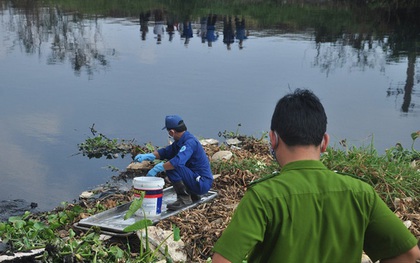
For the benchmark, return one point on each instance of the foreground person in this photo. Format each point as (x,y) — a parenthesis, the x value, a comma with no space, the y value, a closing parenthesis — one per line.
(307,213)
(188,167)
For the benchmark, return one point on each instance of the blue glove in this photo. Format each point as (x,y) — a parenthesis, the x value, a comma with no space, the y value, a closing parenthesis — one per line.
(155,170)
(144,157)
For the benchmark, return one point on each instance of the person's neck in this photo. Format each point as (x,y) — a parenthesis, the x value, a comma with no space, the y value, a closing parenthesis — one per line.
(178,135)
(298,153)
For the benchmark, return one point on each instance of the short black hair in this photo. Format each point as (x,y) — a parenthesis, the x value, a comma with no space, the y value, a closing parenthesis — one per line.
(299,118)
(180,128)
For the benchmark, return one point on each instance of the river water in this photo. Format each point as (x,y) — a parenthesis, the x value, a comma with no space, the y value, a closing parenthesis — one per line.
(59,78)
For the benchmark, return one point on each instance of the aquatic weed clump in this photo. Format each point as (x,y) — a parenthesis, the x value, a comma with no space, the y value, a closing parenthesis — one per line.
(100,145)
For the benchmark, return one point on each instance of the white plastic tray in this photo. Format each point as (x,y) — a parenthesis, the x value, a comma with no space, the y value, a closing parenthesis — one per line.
(112,221)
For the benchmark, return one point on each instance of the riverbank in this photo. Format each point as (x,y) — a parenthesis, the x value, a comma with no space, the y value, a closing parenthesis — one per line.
(201,226)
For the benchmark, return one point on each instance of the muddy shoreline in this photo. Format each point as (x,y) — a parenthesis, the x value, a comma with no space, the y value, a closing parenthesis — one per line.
(16,207)
(201,226)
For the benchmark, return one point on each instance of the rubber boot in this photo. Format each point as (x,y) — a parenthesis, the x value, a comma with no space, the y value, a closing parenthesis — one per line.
(183,199)
(195,197)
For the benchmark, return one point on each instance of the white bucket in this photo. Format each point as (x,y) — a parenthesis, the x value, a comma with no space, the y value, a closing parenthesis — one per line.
(152,202)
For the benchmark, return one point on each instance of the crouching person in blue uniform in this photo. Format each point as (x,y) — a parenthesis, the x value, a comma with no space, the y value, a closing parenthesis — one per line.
(187,165)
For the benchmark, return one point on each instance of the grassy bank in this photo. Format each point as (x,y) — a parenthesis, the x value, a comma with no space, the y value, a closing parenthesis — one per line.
(395,176)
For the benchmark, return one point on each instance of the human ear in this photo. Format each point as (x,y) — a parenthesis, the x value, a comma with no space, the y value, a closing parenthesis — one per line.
(274,139)
(171,133)
(324,143)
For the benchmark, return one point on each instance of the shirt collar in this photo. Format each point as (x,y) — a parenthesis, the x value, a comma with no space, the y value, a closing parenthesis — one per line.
(304,164)
(181,140)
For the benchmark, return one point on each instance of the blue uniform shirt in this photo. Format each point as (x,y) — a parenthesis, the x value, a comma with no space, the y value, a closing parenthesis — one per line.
(188,152)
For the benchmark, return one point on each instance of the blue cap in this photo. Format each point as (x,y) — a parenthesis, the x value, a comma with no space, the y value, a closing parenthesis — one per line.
(172,122)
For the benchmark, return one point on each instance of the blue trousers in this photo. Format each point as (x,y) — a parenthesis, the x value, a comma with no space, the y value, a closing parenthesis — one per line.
(189,178)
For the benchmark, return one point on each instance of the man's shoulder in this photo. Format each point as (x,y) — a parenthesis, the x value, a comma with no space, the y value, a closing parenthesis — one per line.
(262,179)
(187,135)
(352,179)
(190,138)
(298,180)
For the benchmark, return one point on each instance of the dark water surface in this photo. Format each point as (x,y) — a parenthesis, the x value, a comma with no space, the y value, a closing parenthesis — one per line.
(61,72)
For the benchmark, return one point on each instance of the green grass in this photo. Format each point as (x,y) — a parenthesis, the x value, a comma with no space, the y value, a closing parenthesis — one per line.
(395,174)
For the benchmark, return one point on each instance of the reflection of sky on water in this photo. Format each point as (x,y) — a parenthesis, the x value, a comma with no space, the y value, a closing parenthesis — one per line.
(47,109)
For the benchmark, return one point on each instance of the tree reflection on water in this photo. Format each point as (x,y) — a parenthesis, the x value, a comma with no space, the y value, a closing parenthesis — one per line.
(76,37)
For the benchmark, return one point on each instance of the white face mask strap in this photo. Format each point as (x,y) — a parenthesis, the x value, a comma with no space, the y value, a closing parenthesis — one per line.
(276,137)
(171,133)
(276,144)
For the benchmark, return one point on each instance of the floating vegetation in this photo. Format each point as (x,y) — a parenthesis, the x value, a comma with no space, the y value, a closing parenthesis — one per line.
(100,145)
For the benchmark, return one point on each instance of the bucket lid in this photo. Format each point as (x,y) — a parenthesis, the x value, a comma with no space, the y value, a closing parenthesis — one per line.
(148,181)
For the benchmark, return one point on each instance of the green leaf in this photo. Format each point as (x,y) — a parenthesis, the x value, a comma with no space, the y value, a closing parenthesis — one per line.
(26,215)
(14,218)
(135,205)
(71,233)
(2,226)
(142,224)
(415,135)
(150,147)
(177,235)
(117,252)
(77,209)
(39,226)
(63,219)
(18,224)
